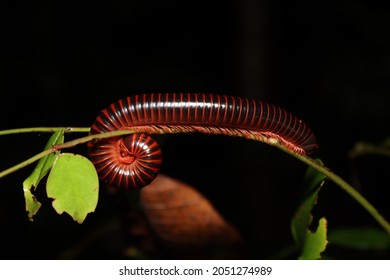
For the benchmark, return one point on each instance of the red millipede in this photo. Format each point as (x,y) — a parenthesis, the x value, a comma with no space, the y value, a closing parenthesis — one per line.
(133,161)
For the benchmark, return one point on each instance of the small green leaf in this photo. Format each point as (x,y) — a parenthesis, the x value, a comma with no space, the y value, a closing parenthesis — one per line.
(32,204)
(303,218)
(44,164)
(315,242)
(365,238)
(73,184)
(41,169)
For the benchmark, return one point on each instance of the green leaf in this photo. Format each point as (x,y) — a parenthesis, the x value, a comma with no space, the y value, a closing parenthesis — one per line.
(315,242)
(73,184)
(307,240)
(32,204)
(364,238)
(41,169)
(303,218)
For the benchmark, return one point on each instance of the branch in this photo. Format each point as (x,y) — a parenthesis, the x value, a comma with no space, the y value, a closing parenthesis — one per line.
(307,160)
(65,145)
(44,129)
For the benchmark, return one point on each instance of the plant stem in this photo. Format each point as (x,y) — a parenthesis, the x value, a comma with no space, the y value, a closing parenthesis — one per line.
(345,186)
(65,145)
(44,129)
(309,161)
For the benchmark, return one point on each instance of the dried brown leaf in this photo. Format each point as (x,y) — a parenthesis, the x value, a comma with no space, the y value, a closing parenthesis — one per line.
(185,221)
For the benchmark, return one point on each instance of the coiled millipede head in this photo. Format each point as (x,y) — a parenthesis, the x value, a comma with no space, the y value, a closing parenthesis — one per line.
(131,161)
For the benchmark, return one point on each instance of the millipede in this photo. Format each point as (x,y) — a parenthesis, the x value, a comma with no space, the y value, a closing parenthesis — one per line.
(133,161)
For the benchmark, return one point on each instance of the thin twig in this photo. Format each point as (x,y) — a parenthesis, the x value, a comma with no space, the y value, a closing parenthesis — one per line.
(44,129)
(309,161)
(58,147)
(345,186)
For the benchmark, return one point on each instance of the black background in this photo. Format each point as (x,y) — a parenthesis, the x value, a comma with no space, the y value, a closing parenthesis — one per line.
(327,62)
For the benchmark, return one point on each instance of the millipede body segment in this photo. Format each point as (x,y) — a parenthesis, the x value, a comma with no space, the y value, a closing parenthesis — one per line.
(124,163)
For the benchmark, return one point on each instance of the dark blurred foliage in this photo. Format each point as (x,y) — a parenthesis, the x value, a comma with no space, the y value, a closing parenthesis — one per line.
(326,61)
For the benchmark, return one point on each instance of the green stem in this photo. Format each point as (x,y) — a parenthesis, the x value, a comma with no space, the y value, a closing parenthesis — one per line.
(44,129)
(345,186)
(309,161)
(65,145)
